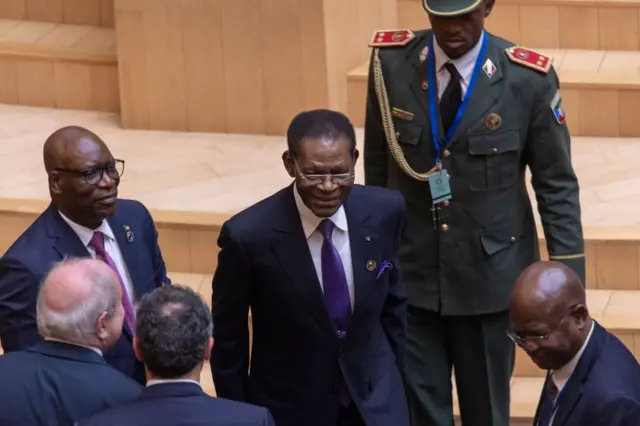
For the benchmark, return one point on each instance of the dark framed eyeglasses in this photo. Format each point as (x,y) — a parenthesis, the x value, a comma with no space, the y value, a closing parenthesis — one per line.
(317,179)
(93,175)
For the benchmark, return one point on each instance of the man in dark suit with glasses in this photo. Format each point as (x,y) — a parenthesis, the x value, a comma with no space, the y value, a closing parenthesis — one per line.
(85,218)
(317,264)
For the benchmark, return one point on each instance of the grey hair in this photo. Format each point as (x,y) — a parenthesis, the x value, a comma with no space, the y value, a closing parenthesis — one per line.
(79,324)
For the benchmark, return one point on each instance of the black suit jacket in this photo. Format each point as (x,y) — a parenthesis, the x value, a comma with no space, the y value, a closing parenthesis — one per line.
(180,404)
(49,240)
(296,357)
(604,389)
(53,384)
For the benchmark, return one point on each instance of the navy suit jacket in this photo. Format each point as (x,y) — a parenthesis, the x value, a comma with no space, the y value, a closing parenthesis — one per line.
(51,384)
(50,239)
(604,389)
(180,404)
(296,357)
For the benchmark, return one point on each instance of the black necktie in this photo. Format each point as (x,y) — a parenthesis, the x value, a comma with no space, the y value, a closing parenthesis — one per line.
(548,400)
(451,98)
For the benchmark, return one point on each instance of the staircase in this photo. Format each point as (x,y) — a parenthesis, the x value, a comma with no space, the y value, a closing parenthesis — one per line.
(59,53)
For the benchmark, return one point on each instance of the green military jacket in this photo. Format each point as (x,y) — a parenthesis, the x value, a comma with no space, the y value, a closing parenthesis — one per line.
(467,260)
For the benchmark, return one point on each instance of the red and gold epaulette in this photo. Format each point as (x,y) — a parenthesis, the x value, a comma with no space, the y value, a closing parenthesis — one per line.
(391,38)
(529,58)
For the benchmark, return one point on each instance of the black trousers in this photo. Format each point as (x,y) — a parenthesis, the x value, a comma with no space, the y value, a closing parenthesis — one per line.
(350,416)
(482,357)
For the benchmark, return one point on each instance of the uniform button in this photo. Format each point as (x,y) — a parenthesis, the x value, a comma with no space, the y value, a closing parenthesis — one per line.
(446,203)
(512,239)
(446,153)
(445,227)
(397,134)
(495,149)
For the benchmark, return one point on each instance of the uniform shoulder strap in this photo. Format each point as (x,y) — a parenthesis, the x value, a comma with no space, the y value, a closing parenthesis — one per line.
(391,38)
(529,58)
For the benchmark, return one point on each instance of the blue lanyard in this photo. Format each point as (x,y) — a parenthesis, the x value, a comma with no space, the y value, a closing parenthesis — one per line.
(431,79)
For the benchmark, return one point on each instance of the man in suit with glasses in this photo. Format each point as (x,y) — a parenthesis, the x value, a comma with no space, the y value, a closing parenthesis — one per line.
(317,264)
(85,218)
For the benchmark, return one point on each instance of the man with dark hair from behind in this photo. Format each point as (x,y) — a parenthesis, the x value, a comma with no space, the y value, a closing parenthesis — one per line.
(173,340)
(317,264)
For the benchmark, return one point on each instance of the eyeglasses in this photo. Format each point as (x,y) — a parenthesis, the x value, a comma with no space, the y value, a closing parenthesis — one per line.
(317,179)
(114,169)
(521,341)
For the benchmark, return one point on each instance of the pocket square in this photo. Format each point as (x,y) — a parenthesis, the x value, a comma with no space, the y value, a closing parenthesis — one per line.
(383,267)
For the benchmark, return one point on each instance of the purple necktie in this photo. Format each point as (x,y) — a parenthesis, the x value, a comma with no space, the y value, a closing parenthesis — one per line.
(336,292)
(334,281)
(97,244)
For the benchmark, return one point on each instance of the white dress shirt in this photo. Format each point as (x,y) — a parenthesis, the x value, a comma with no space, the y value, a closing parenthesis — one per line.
(561,376)
(314,237)
(463,64)
(162,381)
(53,339)
(111,247)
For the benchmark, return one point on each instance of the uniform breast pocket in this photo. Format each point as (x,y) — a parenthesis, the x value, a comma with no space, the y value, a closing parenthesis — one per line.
(408,134)
(494,160)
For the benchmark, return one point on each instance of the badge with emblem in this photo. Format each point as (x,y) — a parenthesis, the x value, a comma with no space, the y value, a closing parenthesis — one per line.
(493,121)
(558,108)
(488,68)
(128,233)
(391,38)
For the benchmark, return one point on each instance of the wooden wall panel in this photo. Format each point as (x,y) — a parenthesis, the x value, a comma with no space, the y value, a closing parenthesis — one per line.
(82,12)
(242,66)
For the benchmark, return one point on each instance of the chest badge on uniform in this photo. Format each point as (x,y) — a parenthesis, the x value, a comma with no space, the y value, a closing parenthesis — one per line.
(488,68)
(493,121)
(558,108)
(402,114)
(424,53)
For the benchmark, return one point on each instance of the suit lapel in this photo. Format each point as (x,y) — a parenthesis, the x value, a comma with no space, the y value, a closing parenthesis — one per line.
(292,250)
(67,243)
(573,389)
(364,248)
(485,93)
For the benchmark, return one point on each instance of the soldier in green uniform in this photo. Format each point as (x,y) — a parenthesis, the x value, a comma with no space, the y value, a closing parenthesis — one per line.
(454,116)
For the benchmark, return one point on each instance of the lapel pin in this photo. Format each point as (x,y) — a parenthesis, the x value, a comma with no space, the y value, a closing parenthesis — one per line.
(425,85)
(128,233)
(424,53)
(371,265)
(488,68)
(367,238)
(493,121)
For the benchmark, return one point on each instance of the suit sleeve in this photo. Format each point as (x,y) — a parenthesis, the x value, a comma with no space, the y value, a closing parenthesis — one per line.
(375,145)
(231,286)
(394,313)
(268,419)
(620,411)
(548,154)
(18,296)
(159,266)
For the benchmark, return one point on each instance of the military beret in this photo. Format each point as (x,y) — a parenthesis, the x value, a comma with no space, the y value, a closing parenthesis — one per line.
(450,7)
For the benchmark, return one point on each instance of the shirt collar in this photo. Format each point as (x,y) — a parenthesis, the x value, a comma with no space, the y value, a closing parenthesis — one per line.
(162,381)
(310,221)
(463,64)
(85,234)
(53,339)
(561,376)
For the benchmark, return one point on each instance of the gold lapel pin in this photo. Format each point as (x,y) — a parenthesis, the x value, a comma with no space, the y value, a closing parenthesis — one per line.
(371,265)
(425,85)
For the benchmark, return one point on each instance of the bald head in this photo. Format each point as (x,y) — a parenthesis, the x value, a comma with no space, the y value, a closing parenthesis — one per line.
(73,296)
(548,313)
(549,287)
(65,142)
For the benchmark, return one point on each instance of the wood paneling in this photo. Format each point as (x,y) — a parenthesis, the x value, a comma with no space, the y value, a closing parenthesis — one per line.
(242,66)
(568,24)
(58,65)
(82,12)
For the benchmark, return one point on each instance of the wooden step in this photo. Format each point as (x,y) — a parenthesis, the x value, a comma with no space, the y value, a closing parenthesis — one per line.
(80,12)
(600,89)
(567,24)
(58,65)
